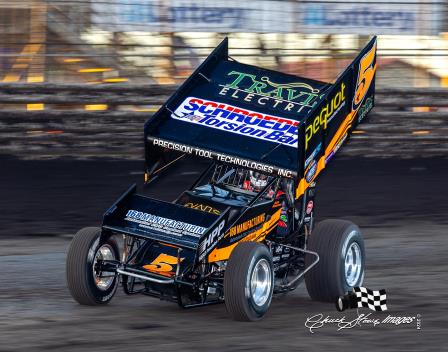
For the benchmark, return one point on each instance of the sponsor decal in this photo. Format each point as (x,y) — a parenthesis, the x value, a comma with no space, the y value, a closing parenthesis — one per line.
(311,171)
(336,148)
(163,264)
(222,157)
(182,148)
(309,207)
(231,119)
(277,204)
(246,163)
(313,155)
(281,253)
(246,225)
(158,223)
(278,250)
(365,108)
(202,207)
(292,96)
(211,240)
(329,156)
(325,114)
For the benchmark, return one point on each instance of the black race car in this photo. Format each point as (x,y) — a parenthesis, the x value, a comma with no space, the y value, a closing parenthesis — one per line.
(244,230)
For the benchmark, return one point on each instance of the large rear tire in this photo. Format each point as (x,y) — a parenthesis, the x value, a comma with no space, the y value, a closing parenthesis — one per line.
(86,285)
(340,246)
(249,281)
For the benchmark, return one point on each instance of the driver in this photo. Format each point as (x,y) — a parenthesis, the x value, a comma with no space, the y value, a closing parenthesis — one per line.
(256,182)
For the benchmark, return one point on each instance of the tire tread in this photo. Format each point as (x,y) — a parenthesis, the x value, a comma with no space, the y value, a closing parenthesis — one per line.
(76,266)
(235,275)
(322,281)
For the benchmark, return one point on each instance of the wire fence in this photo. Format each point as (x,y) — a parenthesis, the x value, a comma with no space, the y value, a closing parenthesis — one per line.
(65,130)
(60,61)
(155,41)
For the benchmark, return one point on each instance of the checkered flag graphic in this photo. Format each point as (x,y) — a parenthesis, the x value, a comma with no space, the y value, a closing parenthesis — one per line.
(374,300)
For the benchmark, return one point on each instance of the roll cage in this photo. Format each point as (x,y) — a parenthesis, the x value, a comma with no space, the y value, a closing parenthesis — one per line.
(226,180)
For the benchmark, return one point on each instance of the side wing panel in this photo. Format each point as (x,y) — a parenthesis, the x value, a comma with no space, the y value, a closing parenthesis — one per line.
(157,159)
(332,120)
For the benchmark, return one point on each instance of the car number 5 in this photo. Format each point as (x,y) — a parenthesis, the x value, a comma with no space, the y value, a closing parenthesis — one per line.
(366,72)
(163,263)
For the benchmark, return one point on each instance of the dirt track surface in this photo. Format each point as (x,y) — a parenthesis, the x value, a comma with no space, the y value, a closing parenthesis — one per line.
(401,207)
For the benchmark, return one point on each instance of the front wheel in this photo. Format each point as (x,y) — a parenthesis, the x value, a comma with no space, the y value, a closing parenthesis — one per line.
(249,281)
(340,246)
(87,283)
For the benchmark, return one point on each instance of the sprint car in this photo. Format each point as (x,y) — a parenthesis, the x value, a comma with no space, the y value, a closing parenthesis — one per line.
(244,230)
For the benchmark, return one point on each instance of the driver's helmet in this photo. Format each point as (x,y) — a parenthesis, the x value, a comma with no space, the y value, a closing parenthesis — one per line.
(257,180)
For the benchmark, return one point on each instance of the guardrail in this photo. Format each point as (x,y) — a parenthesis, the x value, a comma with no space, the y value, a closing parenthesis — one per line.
(394,128)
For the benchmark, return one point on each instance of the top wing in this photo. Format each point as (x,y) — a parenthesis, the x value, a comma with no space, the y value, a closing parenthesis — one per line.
(236,113)
(256,118)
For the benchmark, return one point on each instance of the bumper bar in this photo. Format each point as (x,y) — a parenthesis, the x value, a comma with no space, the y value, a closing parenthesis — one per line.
(143,276)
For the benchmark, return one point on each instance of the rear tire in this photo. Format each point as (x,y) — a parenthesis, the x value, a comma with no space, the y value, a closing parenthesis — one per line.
(87,286)
(340,246)
(249,281)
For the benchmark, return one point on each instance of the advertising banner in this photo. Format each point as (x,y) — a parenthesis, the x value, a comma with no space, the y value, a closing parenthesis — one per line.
(366,17)
(193,16)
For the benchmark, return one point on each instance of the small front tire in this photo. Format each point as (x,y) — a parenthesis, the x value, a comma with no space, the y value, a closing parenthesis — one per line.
(249,281)
(86,285)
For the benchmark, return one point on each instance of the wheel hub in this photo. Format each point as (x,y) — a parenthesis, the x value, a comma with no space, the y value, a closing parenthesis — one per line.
(261,282)
(353,264)
(103,279)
